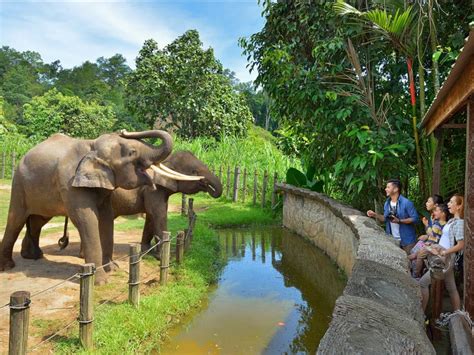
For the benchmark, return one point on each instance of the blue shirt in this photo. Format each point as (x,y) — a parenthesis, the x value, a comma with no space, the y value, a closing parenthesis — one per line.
(405,209)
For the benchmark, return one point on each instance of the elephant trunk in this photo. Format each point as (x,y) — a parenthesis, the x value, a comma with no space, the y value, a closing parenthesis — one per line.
(150,153)
(214,186)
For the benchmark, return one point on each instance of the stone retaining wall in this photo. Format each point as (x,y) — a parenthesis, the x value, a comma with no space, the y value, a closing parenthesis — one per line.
(380,309)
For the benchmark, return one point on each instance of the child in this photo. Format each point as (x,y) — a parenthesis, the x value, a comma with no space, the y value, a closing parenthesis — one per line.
(441,216)
(431,203)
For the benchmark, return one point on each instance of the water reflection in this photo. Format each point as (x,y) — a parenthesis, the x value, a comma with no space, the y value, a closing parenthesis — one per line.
(264,307)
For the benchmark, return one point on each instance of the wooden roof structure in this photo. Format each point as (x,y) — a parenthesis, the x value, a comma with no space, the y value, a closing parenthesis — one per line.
(456,90)
(457,95)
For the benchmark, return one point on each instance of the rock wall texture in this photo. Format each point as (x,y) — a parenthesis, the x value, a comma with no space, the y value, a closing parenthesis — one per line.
(380,309)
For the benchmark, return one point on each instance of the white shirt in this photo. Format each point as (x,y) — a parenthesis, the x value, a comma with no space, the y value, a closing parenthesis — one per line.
(395,227)
(444,240)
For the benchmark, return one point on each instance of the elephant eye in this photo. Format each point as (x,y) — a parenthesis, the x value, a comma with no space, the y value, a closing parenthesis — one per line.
(132,152)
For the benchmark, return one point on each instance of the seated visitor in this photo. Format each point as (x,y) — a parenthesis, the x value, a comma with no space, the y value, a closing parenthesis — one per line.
(451,242)
(430,204)
(419,252)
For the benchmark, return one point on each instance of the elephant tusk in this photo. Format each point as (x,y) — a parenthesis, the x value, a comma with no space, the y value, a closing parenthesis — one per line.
(211,187)
(180,177)
(171,171)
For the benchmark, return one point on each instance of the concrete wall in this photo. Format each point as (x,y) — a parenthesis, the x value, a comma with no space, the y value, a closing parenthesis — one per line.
(380,309)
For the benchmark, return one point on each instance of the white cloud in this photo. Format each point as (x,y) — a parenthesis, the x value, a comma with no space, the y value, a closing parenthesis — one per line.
(76,31)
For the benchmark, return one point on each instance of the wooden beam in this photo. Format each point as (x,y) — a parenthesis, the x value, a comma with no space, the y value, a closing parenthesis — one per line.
(469,213)
(454,125)
(452,103)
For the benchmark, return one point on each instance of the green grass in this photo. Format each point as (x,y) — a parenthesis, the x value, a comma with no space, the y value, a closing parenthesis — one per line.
(122,328)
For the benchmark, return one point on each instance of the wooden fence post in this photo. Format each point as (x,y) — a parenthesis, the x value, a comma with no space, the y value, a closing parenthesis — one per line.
(4,163)
(255,182)
(165,258)
(244,187)
(134,274)
(227,182)
(19,319)
(180,247)
(183,205)
(264,188)
(236,184)
(190,209)
(275,179)
(86,305)
(13,163)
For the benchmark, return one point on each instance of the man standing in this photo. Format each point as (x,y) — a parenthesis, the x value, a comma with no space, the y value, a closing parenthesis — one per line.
(399,216)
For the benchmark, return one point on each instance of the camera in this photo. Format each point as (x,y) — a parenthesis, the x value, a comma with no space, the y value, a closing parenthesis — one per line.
(392,215)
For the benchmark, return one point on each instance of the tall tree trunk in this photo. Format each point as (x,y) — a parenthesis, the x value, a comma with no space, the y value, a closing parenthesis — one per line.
(421,172)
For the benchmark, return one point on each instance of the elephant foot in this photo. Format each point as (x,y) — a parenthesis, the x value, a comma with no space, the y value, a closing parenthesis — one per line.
(100,278)
(34,254)
(81,254)
(112,266)
(29,250)
(6,264)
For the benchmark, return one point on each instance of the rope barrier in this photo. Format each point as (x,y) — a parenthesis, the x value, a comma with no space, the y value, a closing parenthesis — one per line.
(112,262)
(76,275)
(51,337)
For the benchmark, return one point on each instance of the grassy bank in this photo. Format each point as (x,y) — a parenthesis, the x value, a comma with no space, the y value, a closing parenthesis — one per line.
(120,327)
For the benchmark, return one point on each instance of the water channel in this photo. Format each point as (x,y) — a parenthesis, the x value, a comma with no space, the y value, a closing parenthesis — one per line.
(275,295)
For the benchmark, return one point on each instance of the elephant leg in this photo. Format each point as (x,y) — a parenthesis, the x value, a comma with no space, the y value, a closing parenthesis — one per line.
(106,229)
(86,221)
(147,235)
(15,222)
(30,248)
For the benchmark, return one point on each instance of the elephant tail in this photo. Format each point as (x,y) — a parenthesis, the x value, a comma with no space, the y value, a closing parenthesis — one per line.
(63,242)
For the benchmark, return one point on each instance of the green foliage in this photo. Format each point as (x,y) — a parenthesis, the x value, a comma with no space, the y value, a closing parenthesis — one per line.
(184,89)
(308,181)
(55,113)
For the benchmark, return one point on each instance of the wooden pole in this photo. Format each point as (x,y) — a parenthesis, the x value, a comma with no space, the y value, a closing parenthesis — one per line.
(165,258)
(183,205)
(275,180)
(264,188)
(227,182)
(86,309)
(186,239)
(134,274)
(19,321)
(469,213)
(13,163)
(190,208)
(180,247)
(255,182)
(4,163)
(244,187)
(236,184)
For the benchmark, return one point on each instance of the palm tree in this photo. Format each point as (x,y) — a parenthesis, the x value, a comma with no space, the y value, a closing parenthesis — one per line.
(399,29)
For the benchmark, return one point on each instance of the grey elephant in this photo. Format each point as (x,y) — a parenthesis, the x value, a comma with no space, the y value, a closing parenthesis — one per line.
(63,176)
(180,172)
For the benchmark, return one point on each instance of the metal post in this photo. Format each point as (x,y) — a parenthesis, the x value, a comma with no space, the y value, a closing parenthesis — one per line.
(134,274)
(19,320)
(86,309)
(165,258)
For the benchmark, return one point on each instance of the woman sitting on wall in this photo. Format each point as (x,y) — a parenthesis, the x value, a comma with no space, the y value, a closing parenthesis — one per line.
(452,241)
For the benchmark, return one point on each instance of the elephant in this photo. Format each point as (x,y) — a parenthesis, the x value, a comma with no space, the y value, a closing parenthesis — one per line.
(64,176)
(181,172)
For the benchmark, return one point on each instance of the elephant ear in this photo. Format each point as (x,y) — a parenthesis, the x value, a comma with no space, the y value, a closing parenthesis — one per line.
(164,181)
(93,171)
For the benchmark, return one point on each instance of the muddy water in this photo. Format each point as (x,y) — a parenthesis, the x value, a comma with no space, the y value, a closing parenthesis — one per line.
(275,295)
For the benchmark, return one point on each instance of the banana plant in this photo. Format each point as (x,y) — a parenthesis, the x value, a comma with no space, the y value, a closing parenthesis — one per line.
(308,181)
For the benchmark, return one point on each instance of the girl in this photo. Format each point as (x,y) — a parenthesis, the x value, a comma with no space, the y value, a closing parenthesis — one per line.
(452,241)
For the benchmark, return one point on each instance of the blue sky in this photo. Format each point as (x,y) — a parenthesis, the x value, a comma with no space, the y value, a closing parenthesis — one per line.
(76,31)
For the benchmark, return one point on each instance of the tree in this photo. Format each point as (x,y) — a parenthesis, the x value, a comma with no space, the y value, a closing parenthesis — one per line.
(185,89)
(56,113)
